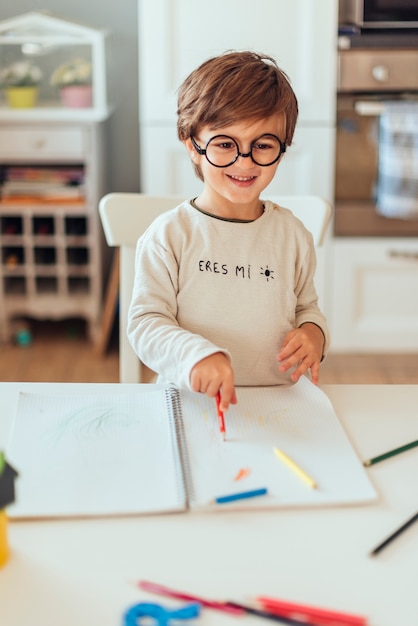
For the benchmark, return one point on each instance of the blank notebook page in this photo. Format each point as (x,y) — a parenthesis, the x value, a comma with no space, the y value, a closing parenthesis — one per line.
(300,421)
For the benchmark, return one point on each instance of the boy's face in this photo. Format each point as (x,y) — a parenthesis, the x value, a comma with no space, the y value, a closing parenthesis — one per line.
(235,190)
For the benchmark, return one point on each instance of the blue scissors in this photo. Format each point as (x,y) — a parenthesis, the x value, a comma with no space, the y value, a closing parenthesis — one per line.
(160,615)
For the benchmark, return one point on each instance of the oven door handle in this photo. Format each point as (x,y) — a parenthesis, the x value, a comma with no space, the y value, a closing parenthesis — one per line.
(369,108)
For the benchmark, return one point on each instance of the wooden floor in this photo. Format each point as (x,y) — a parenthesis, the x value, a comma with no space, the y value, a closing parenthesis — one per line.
(59,352)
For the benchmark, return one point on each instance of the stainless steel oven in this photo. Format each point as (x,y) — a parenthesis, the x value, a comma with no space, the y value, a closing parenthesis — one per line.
(369,78)
(379,14)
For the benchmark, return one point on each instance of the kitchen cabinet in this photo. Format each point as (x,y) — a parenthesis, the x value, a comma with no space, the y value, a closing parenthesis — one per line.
(374,295)
(51,243)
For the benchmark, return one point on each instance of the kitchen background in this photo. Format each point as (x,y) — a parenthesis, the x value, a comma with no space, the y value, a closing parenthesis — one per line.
(367,278)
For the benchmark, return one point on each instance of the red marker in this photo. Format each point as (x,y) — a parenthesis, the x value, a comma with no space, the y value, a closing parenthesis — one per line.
(220,415)
(314,613)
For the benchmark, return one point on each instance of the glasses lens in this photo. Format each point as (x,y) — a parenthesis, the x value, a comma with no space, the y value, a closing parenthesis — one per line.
(221,150)
(266,150)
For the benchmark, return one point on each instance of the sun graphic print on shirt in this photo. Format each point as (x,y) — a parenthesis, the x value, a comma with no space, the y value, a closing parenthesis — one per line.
(265,271)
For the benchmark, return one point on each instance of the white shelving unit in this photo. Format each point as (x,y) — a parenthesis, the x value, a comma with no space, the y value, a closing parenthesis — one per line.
(52,250)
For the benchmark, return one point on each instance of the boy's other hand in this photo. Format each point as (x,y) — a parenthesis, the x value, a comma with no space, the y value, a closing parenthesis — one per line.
(302,347)
(213,374)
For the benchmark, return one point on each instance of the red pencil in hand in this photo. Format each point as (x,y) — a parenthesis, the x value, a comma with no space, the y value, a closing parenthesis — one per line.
(221,418)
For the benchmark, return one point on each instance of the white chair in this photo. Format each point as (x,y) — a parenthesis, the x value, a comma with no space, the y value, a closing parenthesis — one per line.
(125,216)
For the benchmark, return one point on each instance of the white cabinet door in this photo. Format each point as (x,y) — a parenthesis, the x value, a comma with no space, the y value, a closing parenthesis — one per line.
(175,36)
(307,165)
(375,295)
(305,168)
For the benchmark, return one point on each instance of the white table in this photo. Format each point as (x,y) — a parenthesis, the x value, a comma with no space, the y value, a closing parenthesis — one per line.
(80,572)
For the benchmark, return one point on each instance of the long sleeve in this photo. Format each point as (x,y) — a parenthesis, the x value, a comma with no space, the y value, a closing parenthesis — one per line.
(153,328)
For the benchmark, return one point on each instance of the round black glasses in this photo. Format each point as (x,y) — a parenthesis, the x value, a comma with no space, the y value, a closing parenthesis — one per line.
(222,151)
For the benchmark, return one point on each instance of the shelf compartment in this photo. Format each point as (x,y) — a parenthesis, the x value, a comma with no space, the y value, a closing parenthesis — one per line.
(79,285)
(43,184)
(43,226)
(11,225)
(14,285)
(13,256)
(45,255)
(75,226)
(77,255)
(46,284)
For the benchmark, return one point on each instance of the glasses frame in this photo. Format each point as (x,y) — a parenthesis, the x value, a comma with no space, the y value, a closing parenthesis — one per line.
(202,151)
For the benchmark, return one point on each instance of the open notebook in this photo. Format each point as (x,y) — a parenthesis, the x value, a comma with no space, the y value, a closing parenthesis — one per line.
(159,450)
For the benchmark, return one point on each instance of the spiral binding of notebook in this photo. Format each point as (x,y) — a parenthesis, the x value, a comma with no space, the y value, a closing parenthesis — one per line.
(175,412)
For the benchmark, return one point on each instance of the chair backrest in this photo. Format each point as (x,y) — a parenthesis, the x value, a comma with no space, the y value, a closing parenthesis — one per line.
(313,211)
(125,216)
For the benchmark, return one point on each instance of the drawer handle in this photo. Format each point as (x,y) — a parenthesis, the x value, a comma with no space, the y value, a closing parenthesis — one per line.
(380,73)
(40,143)
(369,108)
(404,254)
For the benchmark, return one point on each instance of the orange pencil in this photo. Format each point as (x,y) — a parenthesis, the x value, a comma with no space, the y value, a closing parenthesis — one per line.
(221,418)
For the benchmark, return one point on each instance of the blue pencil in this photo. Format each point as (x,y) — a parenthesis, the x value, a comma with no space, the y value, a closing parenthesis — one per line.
(242,495)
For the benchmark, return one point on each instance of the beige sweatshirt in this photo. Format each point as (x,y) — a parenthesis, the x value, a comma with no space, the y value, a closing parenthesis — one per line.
(204,285)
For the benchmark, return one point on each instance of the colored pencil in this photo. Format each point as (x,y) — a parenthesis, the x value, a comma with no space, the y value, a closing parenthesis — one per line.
(187,597)
(295,468)
(241,495)
(390,453)
(227,607)
(221,417)
(393,535)
(271,616)
(313,613)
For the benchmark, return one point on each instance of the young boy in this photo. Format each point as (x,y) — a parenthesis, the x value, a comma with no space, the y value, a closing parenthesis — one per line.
(224,290)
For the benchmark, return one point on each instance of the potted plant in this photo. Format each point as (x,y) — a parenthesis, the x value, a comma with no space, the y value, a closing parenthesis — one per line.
(21,80)
(73,79)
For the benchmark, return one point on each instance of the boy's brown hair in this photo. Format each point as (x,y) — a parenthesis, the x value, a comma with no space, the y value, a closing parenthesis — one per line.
(233,87)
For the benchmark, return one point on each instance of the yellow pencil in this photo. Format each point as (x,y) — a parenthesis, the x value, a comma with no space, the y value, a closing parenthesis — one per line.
(298,470)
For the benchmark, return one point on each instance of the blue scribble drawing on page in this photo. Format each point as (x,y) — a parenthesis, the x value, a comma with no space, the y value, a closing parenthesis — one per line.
(95,454)
(92,421)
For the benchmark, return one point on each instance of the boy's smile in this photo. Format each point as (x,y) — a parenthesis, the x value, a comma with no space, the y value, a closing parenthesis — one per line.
(241,180)
(234,191)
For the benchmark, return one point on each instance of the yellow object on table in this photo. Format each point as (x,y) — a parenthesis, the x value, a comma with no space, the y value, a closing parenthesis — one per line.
(4,545)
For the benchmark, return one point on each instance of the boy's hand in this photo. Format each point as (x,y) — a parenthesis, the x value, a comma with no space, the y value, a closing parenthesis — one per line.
(302,347)
(213,374)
